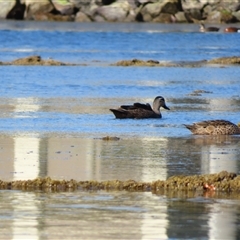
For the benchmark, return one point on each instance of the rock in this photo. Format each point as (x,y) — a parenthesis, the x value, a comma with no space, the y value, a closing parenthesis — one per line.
(192,4)
(17,11)
(52,17)
(108,138)
(214,17)
(82,17)
(230,6)
(37,60)
(117,11)
(227,16)
(63,6)
(222,182)
(80,4)
(90,10)
(36,7)
(6,7)
(164,18)
(152,10)
(137,62)
(180,17)
(212,11)
(202,9)
(133,4)
(99,18)
(225,60)
(131,17)
(236,15)
(194,9)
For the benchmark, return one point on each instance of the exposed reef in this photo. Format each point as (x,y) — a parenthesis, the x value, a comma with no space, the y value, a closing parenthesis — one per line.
(153,63)
(221,182)
(226,60)
(37,60)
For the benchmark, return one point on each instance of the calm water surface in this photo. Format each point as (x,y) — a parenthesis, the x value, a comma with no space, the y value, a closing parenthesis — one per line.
(52,120)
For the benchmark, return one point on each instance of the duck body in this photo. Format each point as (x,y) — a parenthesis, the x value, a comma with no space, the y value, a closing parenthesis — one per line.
(214,127)
(140,110)
(231,29)
(202,28)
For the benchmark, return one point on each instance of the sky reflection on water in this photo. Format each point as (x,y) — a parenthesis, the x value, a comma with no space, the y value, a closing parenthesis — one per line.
(104,215)
(145,159)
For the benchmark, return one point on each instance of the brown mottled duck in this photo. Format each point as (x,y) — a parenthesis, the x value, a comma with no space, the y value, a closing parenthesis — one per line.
(140,110)
(214,127)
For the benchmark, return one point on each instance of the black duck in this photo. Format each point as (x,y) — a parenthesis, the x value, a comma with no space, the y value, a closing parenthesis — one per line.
(140,110)
(202,28)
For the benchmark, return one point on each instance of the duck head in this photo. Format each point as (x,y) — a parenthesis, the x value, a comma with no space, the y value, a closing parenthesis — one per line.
(202,28)
(158,102)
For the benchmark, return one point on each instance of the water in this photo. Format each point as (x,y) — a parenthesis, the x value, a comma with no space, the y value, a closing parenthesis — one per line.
(52,120)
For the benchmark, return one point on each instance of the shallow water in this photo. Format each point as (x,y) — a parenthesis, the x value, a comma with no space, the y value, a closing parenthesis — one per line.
(52,120)
(118,215)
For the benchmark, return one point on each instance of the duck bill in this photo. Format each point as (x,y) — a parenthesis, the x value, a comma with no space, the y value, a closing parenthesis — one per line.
(166,107)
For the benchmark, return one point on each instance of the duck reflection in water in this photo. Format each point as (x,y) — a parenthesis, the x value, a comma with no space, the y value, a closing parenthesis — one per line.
(140,110)
(214,127)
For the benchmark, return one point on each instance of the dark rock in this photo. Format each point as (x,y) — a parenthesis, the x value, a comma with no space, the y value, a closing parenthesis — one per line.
(107,2)
(17,12)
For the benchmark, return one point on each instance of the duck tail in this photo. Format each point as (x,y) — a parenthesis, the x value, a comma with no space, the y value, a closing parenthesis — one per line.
(118,113)
(188,126)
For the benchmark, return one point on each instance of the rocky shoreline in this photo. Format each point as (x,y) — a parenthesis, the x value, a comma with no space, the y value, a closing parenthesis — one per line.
(162,11)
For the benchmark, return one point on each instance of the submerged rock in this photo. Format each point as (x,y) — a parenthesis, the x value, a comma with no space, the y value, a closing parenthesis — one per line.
(198,92)
(137,62)
(109,138)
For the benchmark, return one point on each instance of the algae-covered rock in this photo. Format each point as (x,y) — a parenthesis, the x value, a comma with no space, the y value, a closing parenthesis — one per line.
(36,60)
(225,60)
(221,182)
(137,62)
